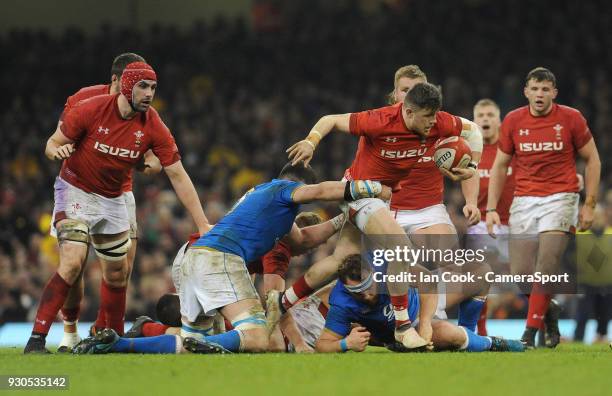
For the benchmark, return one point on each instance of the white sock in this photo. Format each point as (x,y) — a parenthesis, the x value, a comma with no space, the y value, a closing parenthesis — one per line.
(70,339)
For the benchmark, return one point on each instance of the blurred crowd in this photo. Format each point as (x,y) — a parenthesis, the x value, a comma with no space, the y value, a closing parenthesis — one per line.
(237,92)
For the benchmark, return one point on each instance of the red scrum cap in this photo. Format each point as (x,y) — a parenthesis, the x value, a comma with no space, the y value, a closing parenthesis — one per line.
(132,75)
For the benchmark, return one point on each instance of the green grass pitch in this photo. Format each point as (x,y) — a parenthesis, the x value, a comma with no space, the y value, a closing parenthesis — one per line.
(569,370)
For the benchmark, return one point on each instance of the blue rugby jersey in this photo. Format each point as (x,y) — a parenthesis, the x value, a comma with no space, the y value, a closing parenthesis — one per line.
(261,217)
(344,309)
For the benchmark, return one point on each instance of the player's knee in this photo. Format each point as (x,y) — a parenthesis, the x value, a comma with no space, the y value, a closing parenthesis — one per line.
(115,273)
(116,278)
(70,269)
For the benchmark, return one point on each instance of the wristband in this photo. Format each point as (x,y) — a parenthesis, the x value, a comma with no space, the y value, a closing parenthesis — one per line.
(491,210)
(311,143)
(343,345)
(314,137)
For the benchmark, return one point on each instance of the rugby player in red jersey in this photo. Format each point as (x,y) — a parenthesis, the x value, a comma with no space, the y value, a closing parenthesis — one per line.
(70,310)
(99,141)
(387,135)
(543,138)
(418,206)
(487,117)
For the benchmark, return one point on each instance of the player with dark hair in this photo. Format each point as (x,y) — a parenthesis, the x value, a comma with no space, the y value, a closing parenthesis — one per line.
(99,141)
(388,137)
(149,165)
(543,138)
(356,299)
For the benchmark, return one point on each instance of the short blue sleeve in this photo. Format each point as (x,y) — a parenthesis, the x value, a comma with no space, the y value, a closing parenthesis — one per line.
(338,320)
(285,193)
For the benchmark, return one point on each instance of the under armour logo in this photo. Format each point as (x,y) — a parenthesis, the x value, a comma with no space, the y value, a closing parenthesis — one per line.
(42,322)
(103,130)
(523,132)
(391,139)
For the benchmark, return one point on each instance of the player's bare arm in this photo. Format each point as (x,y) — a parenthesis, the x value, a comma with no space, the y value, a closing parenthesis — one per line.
(301,240)
(499,172)
(304,149)
(357,341)
(591,184)
(59,147)
(470,189)
(338,191)
(187,194)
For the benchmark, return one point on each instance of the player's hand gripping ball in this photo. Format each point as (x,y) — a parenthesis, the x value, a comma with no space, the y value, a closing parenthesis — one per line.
(452,152)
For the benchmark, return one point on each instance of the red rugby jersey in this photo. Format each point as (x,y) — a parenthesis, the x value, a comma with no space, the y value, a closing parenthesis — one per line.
(544,149)
(86,93)
(276,261)
(387,150)
(108,146)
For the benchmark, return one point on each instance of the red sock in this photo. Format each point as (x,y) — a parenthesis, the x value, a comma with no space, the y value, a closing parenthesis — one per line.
(228,325)
(295,293)
(71,314)
(538,305)
(400,309)
(101,318)
(153,329)
(112,302)
(53,296)
(482,321)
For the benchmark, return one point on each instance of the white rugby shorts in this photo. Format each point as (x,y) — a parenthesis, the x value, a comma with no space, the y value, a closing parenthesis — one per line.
(209,280)
(308,319)
(412,220)
(532,215)
(102,215)
(130,203)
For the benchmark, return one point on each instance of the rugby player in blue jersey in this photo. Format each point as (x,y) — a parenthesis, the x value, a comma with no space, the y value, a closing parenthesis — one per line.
(214,277)
(356,300)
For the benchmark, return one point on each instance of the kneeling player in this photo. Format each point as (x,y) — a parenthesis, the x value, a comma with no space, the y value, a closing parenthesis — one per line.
(213,275)
(355,299)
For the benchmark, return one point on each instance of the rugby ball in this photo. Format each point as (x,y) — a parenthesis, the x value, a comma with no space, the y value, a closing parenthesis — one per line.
(452,152)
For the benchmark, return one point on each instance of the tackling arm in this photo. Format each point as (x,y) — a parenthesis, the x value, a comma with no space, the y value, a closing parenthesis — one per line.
(300,240)
(337,191)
